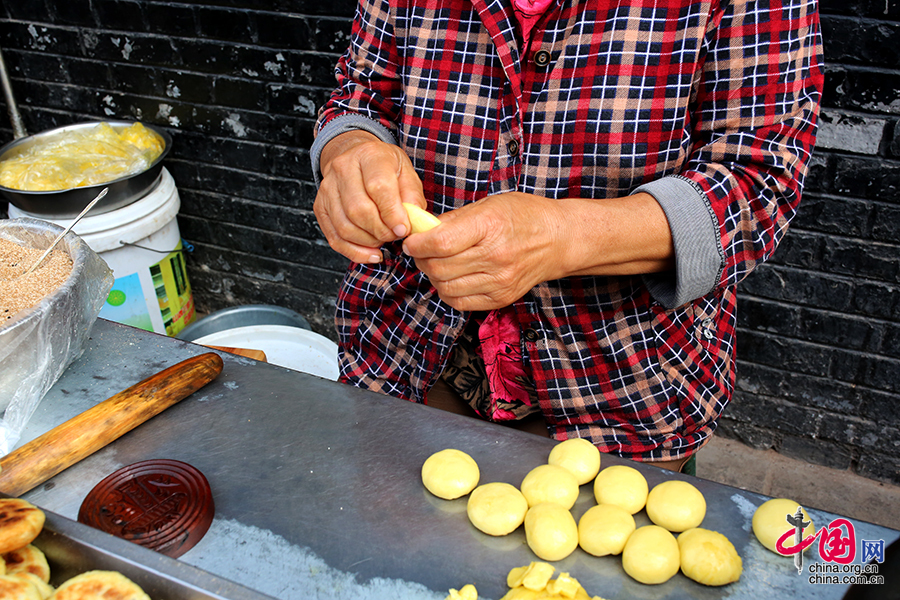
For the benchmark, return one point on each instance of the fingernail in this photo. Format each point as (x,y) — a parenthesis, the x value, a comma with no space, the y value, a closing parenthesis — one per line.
(400,230)
(375,258)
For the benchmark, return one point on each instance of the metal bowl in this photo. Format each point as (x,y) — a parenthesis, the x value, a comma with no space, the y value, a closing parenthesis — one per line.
(68,203)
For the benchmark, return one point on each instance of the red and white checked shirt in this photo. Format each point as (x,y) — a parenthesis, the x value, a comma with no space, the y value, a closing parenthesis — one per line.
(710,106)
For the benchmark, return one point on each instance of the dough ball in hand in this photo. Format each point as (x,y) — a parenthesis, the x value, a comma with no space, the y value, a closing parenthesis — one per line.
(604,529)
(708,557)
(549,483)
(496,508)
(651,555)
(623,486)
(676,505)
(450,473)
(578,456)
(551,531)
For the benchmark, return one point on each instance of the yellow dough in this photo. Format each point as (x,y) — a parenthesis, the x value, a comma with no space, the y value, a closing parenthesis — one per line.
(468,592)
(550,531)
(770,522)
(676,505)
(496,508)
(549,483)
(420,220)
(604,529)
(708,557)
(535,576)
(578,456)
(623,486)
(651,555)
(450,473)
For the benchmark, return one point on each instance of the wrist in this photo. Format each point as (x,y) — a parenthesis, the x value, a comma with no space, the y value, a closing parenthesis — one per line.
(340,144)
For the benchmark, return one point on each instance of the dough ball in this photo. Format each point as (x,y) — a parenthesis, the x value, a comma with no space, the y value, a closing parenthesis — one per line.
(450,473)
(651,555)
(550,531)
(708,557)
(578,456)
(604,529)
(623,486)
(549,483)
(770,522)
(676,505)
(496,508)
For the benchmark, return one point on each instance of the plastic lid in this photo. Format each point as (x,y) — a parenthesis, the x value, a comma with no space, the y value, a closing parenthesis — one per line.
(161,504)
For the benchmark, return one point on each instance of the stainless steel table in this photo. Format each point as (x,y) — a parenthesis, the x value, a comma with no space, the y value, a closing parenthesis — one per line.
(318,493)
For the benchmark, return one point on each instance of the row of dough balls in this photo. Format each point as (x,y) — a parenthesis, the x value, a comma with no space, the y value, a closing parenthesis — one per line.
(25,573)
(543,502)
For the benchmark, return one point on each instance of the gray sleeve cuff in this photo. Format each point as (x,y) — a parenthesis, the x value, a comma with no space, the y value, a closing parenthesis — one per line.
(699,258)
(342,124)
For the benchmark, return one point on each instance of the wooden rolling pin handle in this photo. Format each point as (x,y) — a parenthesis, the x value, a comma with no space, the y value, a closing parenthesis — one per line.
(40,459)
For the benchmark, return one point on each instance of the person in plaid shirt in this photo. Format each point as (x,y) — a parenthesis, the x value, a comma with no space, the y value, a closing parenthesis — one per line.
(606,173)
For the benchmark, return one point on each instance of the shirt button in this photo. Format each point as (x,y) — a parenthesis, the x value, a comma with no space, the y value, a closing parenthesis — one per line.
(513,147)
(531,335)
(707,329)
(542,58)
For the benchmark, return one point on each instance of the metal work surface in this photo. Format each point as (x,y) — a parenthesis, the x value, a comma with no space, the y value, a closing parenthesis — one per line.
(318,492)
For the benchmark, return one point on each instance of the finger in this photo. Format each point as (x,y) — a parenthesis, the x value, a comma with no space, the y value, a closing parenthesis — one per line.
(382,185)
(363,253)
(329,208)
(357,206)
(354,252)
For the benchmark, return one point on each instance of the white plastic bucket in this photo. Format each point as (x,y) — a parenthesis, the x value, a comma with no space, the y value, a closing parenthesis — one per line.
(285,346)
(141,243)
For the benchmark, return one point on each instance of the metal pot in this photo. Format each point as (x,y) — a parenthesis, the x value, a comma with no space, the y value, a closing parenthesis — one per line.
(69,203)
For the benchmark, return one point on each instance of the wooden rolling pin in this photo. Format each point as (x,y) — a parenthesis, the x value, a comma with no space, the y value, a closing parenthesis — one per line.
(43,457)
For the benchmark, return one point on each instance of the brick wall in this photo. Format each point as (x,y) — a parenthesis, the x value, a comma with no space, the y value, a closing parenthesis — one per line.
(238,87)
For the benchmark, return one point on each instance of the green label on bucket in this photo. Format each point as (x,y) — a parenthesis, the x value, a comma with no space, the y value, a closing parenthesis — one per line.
(125,303)
(154,299)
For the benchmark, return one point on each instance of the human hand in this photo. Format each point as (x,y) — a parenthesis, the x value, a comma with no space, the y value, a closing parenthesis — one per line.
(488,254)
(359,202)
